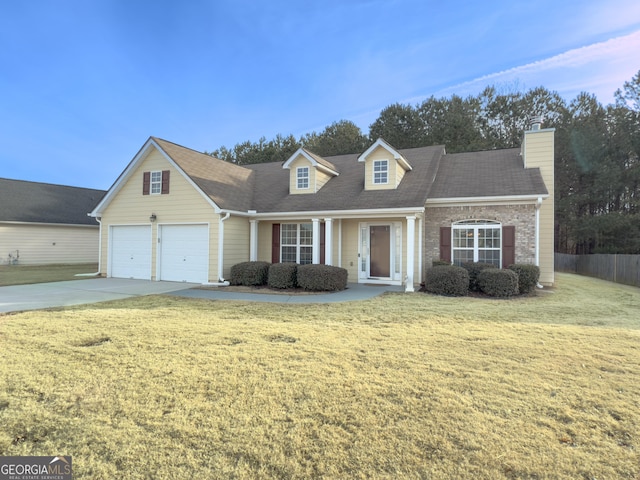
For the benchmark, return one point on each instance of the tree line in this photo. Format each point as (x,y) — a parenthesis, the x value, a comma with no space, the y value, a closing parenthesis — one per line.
(597,151)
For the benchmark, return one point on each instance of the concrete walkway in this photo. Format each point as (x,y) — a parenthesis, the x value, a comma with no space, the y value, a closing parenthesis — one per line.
(19,298)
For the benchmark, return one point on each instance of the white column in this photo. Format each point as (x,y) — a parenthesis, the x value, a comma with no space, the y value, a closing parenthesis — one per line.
(253,240)
(316,240)
(328,241)
(411,236)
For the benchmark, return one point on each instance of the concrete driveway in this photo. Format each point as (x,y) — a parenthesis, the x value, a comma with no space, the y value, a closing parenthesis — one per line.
(78,292)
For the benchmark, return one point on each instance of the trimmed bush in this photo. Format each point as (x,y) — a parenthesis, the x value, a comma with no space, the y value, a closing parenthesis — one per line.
(528,276)
(498,283)
(474,269)
(440,263)
(250,274)
(447,280)
(283,275)
(322,278)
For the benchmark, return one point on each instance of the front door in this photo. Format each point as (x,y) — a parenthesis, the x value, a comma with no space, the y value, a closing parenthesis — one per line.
(380,251)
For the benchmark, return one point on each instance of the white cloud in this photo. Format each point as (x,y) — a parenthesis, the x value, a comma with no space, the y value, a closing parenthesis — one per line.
(600,68)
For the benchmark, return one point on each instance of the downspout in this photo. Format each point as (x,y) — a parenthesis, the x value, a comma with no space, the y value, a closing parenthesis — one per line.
(538,205)
(221,281)
(99,220)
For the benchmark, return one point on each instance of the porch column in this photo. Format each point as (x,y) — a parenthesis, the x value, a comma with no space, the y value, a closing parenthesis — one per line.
(411,236)
(328,241)
(253,240)
(315,241)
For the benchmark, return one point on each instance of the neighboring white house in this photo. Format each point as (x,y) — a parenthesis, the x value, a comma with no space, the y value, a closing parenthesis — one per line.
(44,224)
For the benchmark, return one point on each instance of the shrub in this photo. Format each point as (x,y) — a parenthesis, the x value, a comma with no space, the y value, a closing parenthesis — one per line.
(498,283)
(249,273)
(283,275)
(447,280)
(323,278)
(474,269)
(528,276)
(440,263)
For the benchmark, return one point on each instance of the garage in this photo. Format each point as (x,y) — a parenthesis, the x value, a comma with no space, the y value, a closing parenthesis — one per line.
(184,253)
(131,251)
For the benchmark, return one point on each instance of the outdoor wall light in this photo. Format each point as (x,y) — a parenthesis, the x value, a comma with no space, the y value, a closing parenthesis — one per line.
(153,217)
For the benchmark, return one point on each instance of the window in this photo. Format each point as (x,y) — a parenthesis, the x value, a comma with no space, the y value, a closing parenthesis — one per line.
(303,177)
(296,243)
(477,241)
(156,183)
(380,171)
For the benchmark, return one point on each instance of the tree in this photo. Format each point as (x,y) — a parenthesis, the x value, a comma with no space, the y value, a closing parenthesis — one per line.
(400,125)
(337,139)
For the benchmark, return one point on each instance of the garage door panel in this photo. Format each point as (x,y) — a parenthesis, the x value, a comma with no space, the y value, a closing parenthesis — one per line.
(131,252)
(184,253)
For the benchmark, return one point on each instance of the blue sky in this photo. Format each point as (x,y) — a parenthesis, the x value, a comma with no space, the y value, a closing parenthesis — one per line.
(83,84)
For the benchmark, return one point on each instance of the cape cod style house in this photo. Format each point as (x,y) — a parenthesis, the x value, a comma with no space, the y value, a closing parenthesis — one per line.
(383,214)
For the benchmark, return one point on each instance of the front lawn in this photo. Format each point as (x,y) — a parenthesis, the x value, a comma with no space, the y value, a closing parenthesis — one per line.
(28,274)
(401,386)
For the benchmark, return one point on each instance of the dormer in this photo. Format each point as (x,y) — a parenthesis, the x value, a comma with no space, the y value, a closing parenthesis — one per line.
(384,166)
(308,172)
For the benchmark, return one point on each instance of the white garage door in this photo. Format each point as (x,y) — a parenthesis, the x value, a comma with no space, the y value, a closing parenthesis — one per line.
(131,252)
(184,253)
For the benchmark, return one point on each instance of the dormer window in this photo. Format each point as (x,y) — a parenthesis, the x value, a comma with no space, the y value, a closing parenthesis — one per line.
(302,174)
(380,172)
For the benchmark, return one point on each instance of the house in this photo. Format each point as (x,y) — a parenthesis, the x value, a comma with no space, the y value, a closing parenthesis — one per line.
(41,223)
(384,214)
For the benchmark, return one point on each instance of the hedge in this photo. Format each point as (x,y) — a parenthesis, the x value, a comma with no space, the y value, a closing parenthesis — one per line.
(498,283)
(283,275)
(474,269)
(249,274)
(447,280)
(324,278)
(528,276)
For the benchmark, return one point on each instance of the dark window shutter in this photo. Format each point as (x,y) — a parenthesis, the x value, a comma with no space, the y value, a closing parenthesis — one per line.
(322,244)
(146,183)
(275,243)
(508,246)
(445,244)
(165,182)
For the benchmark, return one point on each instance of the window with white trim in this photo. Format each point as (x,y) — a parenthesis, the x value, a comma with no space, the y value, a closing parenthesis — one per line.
(156,183)
(296,243)
(477,241)
(302,174)
(380,172)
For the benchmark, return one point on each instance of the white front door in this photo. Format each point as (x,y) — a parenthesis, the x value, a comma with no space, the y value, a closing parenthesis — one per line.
(380,252)
(184,253)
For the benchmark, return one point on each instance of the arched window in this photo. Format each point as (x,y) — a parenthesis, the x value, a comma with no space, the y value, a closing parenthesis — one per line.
(477,241)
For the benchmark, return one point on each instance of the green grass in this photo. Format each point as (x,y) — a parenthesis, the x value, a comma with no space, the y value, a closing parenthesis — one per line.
(402,386)
(28,274)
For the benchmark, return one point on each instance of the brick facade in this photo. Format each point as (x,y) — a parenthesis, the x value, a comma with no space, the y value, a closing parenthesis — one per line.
(523,217)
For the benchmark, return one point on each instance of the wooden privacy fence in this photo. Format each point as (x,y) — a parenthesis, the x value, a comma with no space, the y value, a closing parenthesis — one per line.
(615,268)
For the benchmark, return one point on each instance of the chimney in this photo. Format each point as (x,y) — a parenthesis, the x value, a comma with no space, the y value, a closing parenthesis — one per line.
(536,122)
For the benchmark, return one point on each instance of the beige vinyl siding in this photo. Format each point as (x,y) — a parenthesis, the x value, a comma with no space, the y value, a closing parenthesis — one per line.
(183,204)
(321,179)
(395,170)
(236,242)
(46,244)
(293,176)
(539,152)
(350,248)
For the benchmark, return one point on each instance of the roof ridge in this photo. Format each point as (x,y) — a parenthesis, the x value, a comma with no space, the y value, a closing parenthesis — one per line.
(51,184)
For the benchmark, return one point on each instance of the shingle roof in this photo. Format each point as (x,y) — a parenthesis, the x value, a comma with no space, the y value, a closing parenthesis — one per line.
(264,187)
(490,173)
(228,185)
(22,201)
